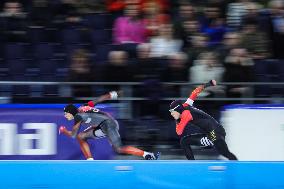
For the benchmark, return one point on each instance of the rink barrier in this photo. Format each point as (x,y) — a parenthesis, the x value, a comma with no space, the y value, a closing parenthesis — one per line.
(141,174)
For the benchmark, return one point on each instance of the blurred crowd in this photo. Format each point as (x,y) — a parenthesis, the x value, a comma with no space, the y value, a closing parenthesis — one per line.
(148,41)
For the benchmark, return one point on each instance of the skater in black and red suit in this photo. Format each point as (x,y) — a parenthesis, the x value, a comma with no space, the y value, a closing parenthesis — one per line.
(212,134)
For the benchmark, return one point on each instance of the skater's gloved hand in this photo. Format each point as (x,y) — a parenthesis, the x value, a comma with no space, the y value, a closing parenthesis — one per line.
(62,129)
(113,95)
(91,104)
(177,121)
(210,83)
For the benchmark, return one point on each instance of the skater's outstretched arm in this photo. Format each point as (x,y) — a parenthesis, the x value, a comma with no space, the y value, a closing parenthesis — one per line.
(112,95)
(186,116)
(194,94)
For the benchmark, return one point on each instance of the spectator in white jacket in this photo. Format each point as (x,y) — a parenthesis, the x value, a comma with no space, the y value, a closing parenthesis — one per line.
(164,44)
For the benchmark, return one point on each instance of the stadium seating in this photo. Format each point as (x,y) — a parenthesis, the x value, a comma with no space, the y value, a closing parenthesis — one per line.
(97,21)
(47,54)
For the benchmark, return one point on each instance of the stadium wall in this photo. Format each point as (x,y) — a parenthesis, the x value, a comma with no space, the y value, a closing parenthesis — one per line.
(255,132)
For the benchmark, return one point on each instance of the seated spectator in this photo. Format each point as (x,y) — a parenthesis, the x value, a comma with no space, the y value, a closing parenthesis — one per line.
(231,40)
(115,8)
(117,69)
(191,29)
(254,40)
(213,25)
(185,12)
(199,45)
(239,68)
(115,5)
(164,5)
(13,22)
(41,13)
(153,16)
(145,66)
(235,13)
(130,27)
(276,23)
(147,71)
(81,71)
(66,14)
(256,12)
(207,66)
(164,44)
(239,56)
(90,6)
(176,70)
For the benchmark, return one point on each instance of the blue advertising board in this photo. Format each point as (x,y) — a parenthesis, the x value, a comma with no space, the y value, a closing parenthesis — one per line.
(170,174)
(30,132)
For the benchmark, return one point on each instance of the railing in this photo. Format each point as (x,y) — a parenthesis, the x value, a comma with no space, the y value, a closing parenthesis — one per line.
(65,90)
(128,95)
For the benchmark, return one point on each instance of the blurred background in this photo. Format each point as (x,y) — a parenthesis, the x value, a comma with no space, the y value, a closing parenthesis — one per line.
(56,52)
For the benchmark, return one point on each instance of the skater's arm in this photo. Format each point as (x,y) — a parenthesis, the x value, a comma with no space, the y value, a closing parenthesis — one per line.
(197,91)
(185,118)
(75,129)
(112,95)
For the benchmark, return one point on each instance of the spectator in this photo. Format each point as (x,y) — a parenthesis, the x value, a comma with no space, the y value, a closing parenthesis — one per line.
(239,68)
(13,8)
(276,23)
(213,25)
(207,66)
(81,71)
(117,69)
(231,40)
(145,66)
(191,29)
(115,8)
(177,70)
(185,23)
(147,71)
(235,13)
(66,14)
(115,5)
(41,13)
(130,28)
(153,17)
(253,12)
(199,45)
(164,44)
(91,6)
(254,40)
(13,22)
(163,5)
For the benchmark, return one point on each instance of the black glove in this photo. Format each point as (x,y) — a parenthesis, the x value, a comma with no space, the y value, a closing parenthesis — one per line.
(210,83)
(177,121)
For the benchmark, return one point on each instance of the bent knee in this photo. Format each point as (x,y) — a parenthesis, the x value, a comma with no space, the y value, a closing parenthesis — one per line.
(81,136)
(184,142)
